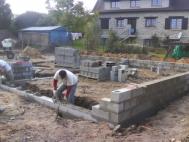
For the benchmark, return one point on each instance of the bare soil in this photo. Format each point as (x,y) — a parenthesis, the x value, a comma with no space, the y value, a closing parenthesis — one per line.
(91,91)
(24,121)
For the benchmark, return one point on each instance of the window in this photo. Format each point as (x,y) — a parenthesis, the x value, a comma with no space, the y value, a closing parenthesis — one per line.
(120,23)
(147,42)
(176,24)
(114,3)
(134,3)
(156,2)
(150,22)
(104,23)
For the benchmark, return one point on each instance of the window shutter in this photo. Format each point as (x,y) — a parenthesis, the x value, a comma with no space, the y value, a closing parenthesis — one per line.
(167,23)
(185,23)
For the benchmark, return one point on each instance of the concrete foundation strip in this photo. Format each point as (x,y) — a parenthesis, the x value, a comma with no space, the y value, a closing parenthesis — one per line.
(46,101)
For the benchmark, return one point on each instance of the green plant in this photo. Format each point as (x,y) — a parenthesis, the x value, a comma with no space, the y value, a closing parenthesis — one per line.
(155,41)
(114,45)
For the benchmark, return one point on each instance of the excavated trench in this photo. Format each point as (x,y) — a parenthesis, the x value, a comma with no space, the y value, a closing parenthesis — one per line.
(84,102)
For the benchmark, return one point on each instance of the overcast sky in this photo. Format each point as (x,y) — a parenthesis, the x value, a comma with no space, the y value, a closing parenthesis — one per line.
(21,6)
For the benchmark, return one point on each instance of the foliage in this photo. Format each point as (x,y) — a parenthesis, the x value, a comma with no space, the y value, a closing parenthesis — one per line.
(79,44)
(68,14)
(5,15)
(29,19)
(115,45)
(92,33)
(155,41)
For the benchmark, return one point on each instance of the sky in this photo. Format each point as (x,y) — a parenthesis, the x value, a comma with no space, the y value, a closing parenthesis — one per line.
(21,6)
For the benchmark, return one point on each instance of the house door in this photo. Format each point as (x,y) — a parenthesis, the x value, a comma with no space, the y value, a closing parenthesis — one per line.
(132,22)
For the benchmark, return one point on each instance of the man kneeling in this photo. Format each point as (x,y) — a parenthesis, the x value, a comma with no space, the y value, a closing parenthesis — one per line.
(67,82)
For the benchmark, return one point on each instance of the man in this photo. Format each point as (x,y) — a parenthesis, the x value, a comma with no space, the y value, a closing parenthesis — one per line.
(67,81)
(6,70)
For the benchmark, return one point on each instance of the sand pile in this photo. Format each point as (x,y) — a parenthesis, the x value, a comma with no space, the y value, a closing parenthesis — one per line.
(31,52)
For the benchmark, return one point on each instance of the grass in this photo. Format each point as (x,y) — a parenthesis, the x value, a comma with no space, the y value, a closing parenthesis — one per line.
(79,44)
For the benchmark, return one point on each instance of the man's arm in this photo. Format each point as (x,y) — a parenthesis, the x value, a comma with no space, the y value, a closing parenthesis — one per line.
(55,82)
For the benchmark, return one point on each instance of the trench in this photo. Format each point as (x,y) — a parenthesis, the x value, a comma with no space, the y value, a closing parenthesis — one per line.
(84,102)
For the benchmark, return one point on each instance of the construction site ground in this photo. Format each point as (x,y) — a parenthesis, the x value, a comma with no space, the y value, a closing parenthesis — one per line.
(89,91)
(24,121)
(28,121)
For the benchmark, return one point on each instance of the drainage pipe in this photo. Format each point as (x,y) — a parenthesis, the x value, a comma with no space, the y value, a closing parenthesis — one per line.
(46,101)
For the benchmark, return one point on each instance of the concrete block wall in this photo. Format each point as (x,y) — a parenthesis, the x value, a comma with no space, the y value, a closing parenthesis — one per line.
(164,65)
(135,102)
(142,63)
(67,57)
(94,69)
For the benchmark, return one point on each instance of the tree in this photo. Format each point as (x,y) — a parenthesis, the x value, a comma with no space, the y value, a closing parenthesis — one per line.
(92,33)
(5,15)
(29,19)
(68,14)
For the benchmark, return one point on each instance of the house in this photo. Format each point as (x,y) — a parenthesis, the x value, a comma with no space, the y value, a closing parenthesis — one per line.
(50,36)
(139,20)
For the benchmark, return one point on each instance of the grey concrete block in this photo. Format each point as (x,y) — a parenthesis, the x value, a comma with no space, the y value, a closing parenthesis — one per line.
(113,76)
(106,104)
(117,118)
(130,104)
(115,68)
(121,95)
(100,114)
(142,108)
(122,75)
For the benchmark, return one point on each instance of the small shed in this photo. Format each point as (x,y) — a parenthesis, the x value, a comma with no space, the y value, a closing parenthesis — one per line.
(50,36)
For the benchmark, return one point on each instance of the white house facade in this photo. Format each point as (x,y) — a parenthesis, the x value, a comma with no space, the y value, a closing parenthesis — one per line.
(142,19)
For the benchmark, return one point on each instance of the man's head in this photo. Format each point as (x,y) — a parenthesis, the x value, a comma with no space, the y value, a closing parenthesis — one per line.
(62,74)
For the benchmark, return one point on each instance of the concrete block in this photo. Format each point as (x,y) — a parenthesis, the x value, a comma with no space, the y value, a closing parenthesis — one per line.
(115,68)
(142,108)
(117,118)
(113,76)
(100,114)
(138,92)
(122,75)
(106,104)
(121,95)
(124,67)
(130,104)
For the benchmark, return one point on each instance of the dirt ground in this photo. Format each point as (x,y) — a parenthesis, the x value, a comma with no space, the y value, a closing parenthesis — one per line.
(90,91)
(24,121)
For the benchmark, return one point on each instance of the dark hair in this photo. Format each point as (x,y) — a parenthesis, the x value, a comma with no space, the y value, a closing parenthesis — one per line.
(62,74)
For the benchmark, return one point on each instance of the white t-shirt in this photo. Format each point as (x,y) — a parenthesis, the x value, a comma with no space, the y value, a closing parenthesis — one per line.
(71,79)
(4,66)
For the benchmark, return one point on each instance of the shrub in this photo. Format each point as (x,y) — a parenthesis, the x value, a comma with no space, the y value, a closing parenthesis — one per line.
(114,45)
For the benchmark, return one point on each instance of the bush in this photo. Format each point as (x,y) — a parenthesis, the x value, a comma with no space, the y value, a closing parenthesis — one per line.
(114,45)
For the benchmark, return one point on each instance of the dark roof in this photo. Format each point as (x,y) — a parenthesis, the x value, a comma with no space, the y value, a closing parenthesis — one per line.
(175,5)
(180,4)
(49,28)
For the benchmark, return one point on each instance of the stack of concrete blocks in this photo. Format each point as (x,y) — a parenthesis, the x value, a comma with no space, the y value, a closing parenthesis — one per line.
(22,70)
(119,73)
(123,73)
(95,70)
(136,102)
(114,73)
(67,57)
